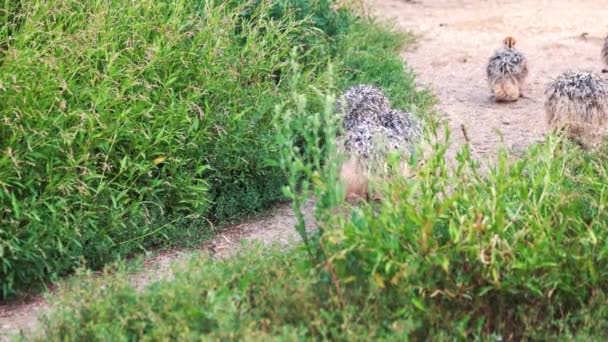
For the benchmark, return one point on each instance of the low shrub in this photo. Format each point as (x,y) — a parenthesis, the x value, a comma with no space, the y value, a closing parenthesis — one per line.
(128,125)
(221,300)
(514,252)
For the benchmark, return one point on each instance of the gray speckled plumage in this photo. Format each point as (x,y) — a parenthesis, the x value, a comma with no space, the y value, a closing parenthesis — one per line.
(358,140)
(360,102)
(507,62)
(402,129)
(372,128)
(400,122)
(506,71)
(577,102)
(578,86)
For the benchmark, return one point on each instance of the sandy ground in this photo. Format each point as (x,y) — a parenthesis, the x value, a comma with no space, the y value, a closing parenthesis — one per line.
(456,38)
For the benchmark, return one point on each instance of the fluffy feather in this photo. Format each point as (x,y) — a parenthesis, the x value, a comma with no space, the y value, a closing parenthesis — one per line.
(360,102)
(577,104)
(371,130)
(506,72)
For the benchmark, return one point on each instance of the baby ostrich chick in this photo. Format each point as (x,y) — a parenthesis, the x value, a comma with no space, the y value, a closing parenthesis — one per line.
(368,144)
(577,104)
(506,72)
(371,130)
(605,54)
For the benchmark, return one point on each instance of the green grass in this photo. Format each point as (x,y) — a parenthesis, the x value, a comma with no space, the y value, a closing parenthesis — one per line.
(95,94)
(517,253)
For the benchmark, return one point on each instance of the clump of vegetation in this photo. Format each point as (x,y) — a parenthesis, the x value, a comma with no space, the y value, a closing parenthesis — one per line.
(517,252)
(130,125)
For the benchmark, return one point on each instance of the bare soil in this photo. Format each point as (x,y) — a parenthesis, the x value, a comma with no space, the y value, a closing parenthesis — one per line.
(456,38)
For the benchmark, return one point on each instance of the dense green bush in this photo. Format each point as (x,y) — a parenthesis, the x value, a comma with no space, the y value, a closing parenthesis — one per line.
(126,125)
(319,13)
(516,253)
(221,300)
(513,250)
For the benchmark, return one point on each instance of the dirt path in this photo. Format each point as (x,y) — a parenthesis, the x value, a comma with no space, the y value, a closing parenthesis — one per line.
(458,36)
(276,226)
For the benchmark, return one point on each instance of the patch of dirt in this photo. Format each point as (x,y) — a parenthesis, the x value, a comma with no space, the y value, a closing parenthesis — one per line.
(20,316)
(275,226)
(456,39)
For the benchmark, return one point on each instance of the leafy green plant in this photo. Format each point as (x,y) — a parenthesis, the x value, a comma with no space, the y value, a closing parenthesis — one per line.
(306,137)
(320,14)
(516,253)
(125,126)
(514,250)
(470,254)
(11,18)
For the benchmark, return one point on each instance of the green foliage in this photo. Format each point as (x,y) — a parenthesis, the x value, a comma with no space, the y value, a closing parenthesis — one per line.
(516,253)
(319,13)
(307,140)
(509,252)
(11,18)
(276,293)
(514,250)
(219,302)
(127,125)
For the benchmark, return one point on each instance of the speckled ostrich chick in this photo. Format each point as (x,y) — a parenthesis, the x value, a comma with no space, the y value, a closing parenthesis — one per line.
(369,119)
(577,104)
(506,72)
(371,130)
(357,144)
